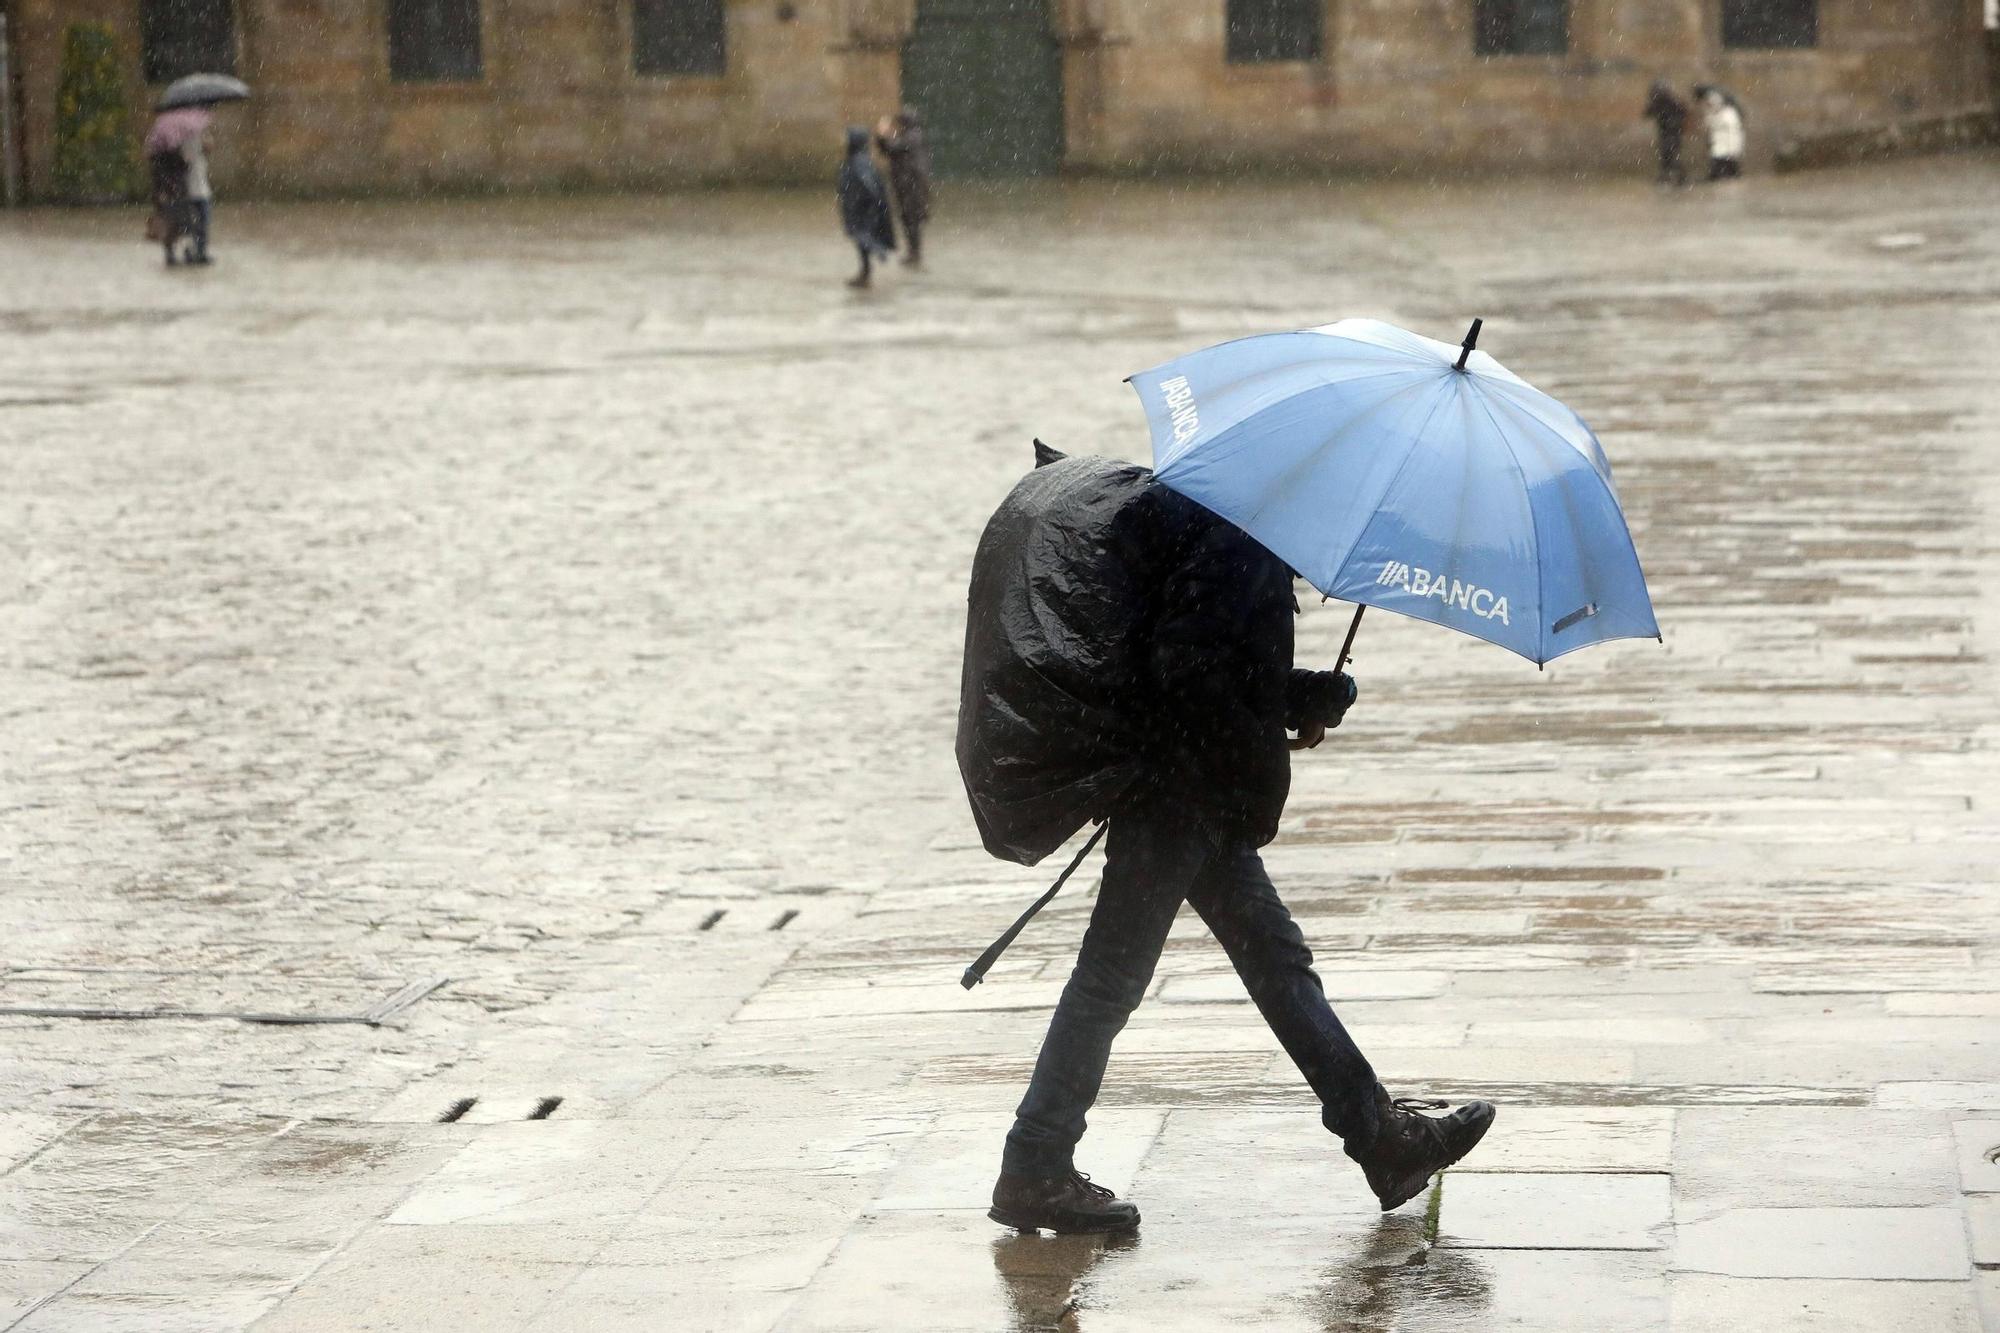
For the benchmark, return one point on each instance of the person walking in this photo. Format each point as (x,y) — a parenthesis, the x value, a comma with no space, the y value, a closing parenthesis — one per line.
(1669,116)
(1723,115)
(864,205)
(178,166)
(901,139)
(1129,660)
(200,198)
(167,190)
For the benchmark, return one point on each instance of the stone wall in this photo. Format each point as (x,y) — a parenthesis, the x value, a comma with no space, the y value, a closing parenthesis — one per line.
(1402,87)
(1146,86)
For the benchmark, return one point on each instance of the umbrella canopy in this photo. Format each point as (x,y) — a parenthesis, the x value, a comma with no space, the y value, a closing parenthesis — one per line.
(202,90)
(1397,471)
(173,128)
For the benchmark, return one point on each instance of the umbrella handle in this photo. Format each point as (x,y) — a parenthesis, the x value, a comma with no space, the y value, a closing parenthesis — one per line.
(1353,628)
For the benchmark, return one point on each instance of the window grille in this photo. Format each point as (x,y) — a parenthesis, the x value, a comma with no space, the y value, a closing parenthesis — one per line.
(678,37)
(1261,30)
(1520,27)
(1770,23)
(434,41)
(179,37)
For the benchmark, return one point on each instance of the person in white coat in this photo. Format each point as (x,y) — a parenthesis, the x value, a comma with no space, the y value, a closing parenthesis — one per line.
(1724,117)
(200,198)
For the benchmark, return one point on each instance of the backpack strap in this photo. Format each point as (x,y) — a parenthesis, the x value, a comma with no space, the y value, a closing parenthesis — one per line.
(977,972)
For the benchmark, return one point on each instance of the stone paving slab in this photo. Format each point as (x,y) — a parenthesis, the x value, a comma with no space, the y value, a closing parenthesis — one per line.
(1572,1139)
(1547,1211)
(1978,1155)
(1802,1157)
(1708,1304)
(954,1162)
(1877,1244)
(1982,1215)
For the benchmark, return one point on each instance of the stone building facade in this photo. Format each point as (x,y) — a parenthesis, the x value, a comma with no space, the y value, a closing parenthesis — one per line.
(390,95)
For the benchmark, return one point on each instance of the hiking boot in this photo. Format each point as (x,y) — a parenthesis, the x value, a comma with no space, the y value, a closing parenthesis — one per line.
(1068,1204)
(1408,1149)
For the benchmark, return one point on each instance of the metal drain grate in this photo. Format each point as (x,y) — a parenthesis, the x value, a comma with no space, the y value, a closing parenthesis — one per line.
(545,1108)
(456,1111)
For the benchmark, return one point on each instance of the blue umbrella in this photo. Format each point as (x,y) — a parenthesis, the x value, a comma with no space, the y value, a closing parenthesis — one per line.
(1397,471)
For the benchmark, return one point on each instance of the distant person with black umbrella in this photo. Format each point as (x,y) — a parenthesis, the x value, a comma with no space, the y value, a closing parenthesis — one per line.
(177,156)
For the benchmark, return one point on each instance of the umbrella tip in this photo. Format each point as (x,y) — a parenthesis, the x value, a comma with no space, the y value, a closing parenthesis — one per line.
(1471,341)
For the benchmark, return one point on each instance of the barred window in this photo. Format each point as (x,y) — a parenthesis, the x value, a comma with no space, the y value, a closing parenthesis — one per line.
(1261,30)
(434,41)
(678,37)
(179,37)
(1520,27)
(1770,23)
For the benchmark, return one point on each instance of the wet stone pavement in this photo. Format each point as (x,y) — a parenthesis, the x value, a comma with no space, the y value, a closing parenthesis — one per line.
(562,599)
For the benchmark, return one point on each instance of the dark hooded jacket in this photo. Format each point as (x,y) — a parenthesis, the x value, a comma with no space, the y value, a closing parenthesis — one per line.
(1666,111)
(909,157)
(1127,650)
(864,200)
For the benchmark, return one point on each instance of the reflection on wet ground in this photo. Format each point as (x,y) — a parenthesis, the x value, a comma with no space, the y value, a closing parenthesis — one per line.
(564,597)
(1042,1275)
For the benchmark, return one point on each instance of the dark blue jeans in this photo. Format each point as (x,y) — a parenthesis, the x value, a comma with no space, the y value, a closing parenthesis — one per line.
(202,212)
(1151,864)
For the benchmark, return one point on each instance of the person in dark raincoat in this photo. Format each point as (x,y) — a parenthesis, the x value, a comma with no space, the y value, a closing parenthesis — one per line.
(901,139)
(1129,659)
(167,190)
(1669,116)
(864,205)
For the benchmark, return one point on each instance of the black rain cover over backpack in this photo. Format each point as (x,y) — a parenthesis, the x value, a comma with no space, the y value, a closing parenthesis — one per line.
(1057,605)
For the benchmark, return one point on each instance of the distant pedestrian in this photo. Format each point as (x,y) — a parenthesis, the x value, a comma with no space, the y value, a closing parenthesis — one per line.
(201,199)
(168,192)
(178,163)
(1723,115)
(1669,116)
(864,205)
(901,139)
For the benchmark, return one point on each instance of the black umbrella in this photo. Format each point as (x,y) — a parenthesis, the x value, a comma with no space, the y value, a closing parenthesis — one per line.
(202,90)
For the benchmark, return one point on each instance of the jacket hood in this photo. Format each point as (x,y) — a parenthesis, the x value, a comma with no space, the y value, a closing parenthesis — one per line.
(857,140)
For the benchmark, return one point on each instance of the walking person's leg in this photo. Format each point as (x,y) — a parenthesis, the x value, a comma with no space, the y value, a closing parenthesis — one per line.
(1148,867)
(1236,898)
(204,213)
(861,279)
(913,239)
(1397,1149)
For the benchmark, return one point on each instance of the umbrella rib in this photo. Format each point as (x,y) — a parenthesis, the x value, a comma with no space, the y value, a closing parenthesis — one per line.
(1416,445)
(1212,454)
(1272,492)
(1600,470)
(1535,527)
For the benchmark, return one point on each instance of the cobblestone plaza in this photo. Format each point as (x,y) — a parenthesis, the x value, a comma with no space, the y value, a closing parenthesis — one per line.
(523,638)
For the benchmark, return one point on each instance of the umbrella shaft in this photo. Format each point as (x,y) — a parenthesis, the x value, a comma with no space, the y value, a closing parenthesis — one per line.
(1353,628)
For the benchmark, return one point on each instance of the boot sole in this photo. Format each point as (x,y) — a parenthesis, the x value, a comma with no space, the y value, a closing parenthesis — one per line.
(1408,1188)
(1066,1226)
